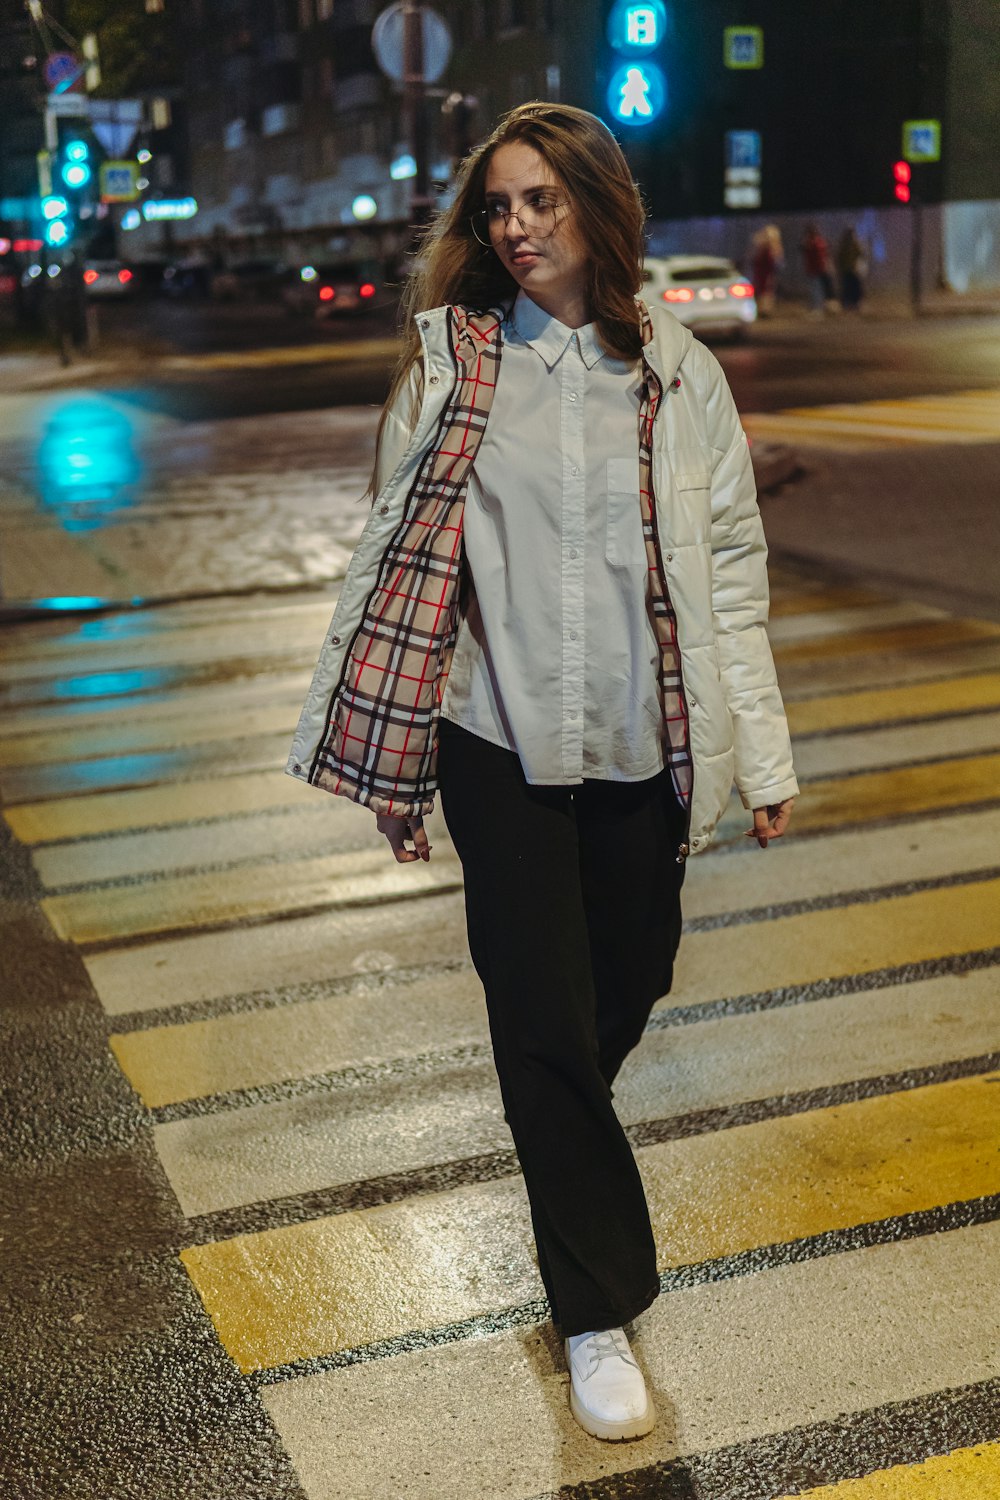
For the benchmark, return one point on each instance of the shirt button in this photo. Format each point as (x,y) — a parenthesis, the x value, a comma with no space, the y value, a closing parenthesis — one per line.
(572,395)
(572,635)
(572,552)
(575,469)
(572,713)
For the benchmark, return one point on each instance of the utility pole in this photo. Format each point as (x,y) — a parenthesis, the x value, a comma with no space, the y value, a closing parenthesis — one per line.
(415,108)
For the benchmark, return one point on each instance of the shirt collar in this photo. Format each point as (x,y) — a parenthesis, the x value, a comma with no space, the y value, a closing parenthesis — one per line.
(548,337)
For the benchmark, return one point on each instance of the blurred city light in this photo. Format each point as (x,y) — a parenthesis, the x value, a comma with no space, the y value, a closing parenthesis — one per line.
(85,457)
(364,207)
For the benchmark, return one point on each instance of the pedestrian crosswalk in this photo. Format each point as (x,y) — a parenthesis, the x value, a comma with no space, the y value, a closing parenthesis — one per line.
(904,422)
(814,1109)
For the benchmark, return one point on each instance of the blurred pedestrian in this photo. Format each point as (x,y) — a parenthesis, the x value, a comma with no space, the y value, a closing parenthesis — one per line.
(767,261)
(578,664)
(819,274)
(852,267)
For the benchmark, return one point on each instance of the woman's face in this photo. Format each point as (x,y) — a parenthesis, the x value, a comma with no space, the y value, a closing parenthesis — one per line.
(552,270)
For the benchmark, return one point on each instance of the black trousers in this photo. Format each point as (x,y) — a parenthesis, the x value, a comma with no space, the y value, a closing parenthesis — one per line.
(572,898)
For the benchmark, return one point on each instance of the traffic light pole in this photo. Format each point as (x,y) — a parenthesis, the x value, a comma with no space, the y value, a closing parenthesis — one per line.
(916,252)
(415,106)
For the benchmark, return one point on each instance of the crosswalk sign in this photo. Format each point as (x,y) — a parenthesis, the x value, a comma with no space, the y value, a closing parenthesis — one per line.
(922,140)
(743,47)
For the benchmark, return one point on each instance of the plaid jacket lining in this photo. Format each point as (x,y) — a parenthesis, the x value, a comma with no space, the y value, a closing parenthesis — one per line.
(380,744)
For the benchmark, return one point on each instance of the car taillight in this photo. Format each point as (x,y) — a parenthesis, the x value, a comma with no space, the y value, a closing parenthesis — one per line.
(124,276)
(367,290)
(326,294)
(678,294)
(740,289)
(90,277)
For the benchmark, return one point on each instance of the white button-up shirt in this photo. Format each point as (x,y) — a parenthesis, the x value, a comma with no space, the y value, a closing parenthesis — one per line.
(556,656)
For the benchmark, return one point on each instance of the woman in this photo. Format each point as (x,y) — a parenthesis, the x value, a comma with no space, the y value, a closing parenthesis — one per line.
(556,615)
(767,260)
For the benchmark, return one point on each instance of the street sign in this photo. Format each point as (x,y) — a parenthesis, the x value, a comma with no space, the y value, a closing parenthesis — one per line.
(922,140)
(743,47)
(388,43)
(743,163)
(743,149)
(119,181)
(67,104)
(61,69)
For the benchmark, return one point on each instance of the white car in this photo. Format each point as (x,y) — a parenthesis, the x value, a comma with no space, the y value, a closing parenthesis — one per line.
(108,278)
(705,292)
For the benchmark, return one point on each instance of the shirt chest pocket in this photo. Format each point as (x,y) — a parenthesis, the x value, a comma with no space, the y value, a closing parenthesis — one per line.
(624,544)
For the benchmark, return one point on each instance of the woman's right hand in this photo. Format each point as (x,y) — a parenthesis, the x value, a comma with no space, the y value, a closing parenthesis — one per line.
(398,830)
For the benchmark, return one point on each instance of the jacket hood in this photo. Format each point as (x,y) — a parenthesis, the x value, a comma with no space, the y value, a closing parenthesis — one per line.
(672,342)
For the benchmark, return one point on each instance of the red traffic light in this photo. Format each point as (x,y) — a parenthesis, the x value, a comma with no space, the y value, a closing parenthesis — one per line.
(902,172)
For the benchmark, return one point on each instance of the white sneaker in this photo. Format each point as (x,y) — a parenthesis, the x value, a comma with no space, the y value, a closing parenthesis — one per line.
(608,1395)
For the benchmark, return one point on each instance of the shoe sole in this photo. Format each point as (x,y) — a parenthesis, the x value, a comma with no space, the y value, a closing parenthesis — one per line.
(612,1432)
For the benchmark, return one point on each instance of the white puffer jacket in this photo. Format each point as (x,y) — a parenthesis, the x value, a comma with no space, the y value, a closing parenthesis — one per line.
(714,560)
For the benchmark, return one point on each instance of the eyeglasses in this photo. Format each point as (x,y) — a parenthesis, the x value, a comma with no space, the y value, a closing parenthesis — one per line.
(537,219)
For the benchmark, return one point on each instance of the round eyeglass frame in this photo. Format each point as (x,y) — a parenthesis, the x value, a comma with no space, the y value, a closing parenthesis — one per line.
(481,215)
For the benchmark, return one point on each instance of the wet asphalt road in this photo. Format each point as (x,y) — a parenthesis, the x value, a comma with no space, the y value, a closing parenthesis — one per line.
(788,362)
(262,1230)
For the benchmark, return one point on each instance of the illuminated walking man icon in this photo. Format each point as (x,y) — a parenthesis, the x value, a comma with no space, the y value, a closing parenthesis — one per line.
(635,95)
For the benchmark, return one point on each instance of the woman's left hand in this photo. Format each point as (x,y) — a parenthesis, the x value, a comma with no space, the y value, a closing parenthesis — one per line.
(770,822)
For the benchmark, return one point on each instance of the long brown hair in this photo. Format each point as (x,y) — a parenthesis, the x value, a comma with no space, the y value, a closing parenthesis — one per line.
(453,267)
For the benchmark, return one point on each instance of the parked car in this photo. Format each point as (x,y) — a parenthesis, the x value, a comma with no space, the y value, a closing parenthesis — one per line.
(108,278)
(247,280)
(328,291)
(705,292)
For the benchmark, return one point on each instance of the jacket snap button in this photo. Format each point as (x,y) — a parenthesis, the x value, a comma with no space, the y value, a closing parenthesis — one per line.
(435,379)
(670,557)
(384,509)
(335,640)
(425,322)
(298,768)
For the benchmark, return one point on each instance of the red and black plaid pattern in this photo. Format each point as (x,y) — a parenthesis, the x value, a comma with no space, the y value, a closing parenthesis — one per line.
(380,743)
(675,713)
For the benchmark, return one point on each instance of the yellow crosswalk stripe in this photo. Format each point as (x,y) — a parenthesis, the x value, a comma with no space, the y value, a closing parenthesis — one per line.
(295,354)
(932,635)
(359,1277)
(959,417)
(902,792)
(964,1474)
(930,700)
(157,807)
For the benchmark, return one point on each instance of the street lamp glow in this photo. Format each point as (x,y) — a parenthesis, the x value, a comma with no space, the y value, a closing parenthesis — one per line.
(131,218)
(143,156)
(364,206)
(54,207)
(57,233)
